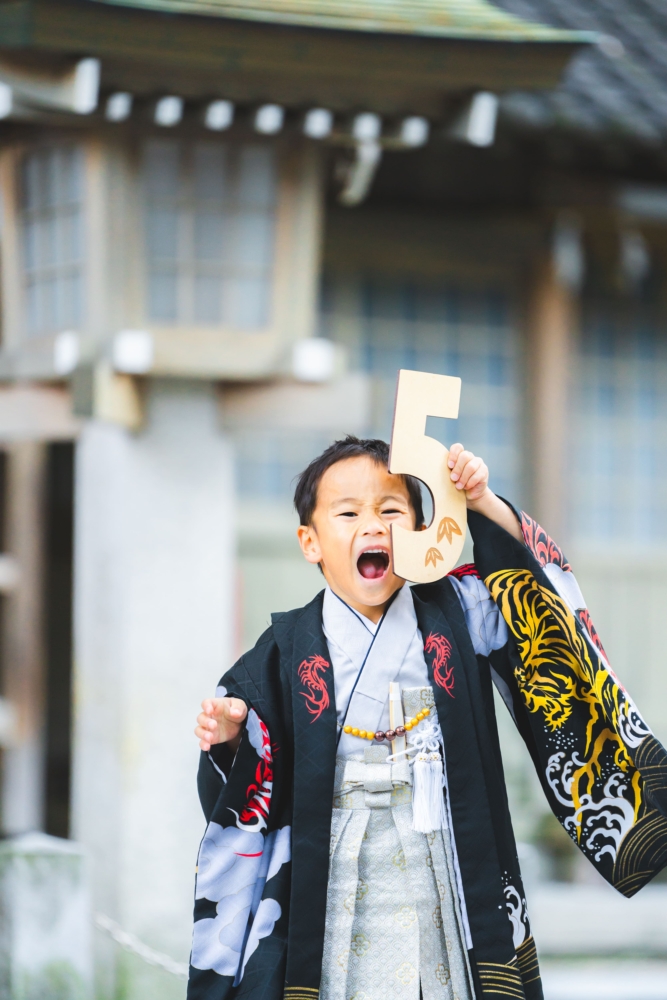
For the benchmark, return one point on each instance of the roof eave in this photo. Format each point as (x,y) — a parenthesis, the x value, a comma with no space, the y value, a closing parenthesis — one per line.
(520,32)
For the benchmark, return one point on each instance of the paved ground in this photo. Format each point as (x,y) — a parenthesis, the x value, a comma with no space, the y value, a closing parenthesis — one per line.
(601,979)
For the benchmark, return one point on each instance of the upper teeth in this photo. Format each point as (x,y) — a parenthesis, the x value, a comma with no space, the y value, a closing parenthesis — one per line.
(373,552)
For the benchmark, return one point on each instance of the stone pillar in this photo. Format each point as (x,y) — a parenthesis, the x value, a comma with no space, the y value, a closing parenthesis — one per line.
(154,570)
(23,639)
(552,321)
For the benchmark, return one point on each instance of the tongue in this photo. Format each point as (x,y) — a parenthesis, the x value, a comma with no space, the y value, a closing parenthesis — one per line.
(372,566)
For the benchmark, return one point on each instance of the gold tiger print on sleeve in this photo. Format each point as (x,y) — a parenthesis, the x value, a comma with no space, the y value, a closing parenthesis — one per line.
(587,728)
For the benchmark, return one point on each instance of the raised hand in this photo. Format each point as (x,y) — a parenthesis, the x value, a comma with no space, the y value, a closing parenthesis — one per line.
(220,721)
(469,472)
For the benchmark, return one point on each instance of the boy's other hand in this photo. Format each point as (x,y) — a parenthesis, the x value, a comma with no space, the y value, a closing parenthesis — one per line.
(469,472)
(220,721)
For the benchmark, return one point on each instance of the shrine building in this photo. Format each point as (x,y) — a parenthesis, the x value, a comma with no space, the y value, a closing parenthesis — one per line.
(224,226)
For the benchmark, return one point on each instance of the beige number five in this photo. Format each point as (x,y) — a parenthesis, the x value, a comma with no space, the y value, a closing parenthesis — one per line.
(425,556)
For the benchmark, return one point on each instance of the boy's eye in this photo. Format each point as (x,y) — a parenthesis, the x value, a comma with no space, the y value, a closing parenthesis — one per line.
(391,510)
(348,513)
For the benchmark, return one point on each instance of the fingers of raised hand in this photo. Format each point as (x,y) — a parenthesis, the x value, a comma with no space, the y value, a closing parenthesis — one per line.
(477,483)
(219,721)
(206,723)
(203,732)
(234,710)
(462,461)
(454,453)
(470,469)
(204,741)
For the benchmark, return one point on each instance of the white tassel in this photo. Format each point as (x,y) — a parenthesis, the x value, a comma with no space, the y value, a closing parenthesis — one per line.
(428,800)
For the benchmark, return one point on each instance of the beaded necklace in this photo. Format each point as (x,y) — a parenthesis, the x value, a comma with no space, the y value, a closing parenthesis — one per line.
(391,734)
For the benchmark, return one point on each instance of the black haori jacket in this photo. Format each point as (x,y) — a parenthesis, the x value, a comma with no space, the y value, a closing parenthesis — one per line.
(263,862)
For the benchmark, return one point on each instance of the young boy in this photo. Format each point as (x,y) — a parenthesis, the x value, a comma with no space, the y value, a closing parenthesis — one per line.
(359,847)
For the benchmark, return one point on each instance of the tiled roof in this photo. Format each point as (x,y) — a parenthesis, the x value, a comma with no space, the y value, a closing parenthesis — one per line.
(476,19)
(619,86)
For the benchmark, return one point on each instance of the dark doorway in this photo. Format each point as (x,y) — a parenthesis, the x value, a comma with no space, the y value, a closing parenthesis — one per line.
(58,543)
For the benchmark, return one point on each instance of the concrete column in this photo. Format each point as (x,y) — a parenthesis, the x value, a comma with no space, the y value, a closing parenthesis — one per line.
(23,640)
(154,571)
(552,321)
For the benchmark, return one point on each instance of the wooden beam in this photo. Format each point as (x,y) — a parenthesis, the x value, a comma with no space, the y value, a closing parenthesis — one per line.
(23,639)
(552,321)
(36,413)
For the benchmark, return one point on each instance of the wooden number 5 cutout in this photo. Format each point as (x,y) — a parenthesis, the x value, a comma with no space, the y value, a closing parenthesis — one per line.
(425,556)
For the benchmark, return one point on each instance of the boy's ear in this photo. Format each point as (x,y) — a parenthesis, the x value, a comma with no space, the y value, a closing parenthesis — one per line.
(309,542)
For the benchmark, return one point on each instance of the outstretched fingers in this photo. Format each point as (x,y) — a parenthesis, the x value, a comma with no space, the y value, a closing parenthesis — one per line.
(219,721)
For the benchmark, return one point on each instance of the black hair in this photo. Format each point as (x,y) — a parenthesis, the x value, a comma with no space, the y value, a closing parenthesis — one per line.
(305,494)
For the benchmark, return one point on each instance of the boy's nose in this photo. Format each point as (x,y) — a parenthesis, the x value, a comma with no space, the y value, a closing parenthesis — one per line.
(374,525)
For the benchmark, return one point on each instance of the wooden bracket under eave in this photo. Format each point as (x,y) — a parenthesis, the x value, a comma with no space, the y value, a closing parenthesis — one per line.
(103,394)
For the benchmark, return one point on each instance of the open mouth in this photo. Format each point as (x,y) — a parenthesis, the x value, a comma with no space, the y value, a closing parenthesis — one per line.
(373,564)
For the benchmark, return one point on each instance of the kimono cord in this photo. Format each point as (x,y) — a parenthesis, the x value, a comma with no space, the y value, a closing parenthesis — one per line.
(368,653)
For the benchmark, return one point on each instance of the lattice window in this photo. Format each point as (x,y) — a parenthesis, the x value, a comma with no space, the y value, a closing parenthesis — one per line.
(446,328)
(210,230)
(620,423)
(51,221)
(269,460)
(390,324)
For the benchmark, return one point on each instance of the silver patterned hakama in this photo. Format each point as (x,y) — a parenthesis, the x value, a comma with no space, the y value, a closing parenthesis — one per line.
(394,926)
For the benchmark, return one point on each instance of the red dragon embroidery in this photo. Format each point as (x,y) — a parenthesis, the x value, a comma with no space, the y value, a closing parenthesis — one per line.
(541,545)
(468,569)
(256,810)
(258,793)
(317,693)
(443,674)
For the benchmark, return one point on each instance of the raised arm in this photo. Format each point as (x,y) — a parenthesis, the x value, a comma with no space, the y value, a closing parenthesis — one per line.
(471,474)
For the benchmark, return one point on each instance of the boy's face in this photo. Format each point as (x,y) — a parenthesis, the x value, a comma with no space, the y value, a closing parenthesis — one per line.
(357,501)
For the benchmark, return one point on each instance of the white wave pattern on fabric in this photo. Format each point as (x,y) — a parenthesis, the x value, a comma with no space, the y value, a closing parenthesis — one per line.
(559,774)
(602,823)
(516,909)
(632,728)
(234,866)
(485,623)
(609,819)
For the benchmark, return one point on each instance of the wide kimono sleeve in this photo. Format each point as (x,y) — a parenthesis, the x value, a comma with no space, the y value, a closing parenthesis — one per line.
(242,882)
(603,771)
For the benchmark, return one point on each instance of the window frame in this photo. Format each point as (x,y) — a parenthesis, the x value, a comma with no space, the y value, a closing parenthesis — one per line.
(238,352)
(58,213)
(114,268)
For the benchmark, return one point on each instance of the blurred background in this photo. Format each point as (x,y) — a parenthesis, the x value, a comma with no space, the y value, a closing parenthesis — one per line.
(225,225)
